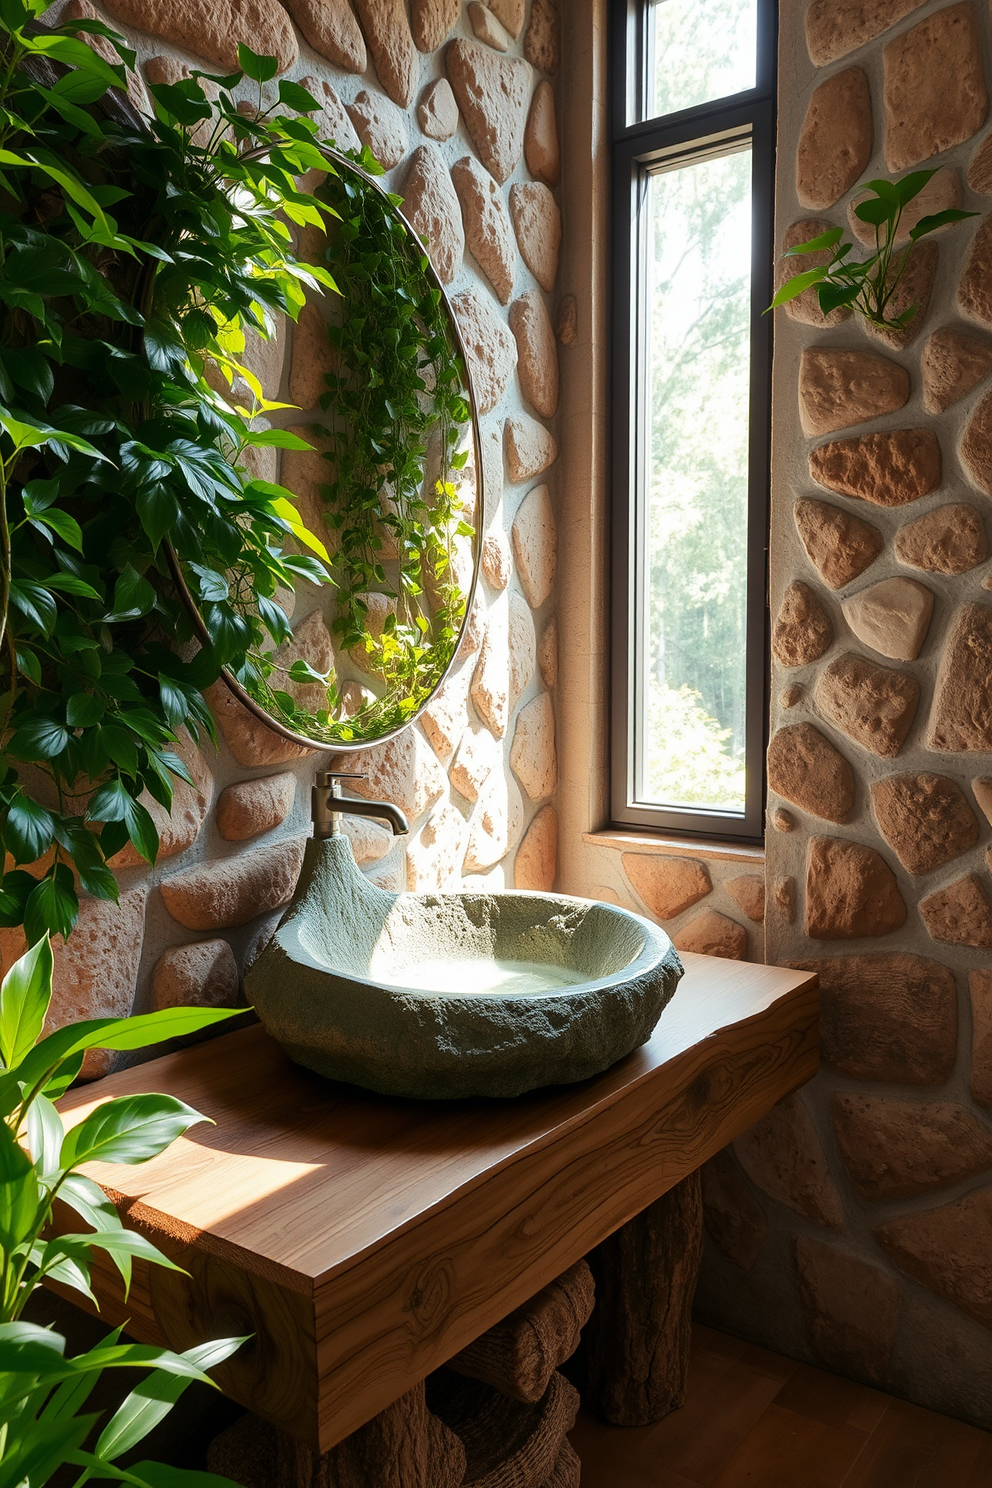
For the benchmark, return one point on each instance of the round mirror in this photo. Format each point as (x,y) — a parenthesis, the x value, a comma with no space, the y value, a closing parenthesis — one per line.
(380,446)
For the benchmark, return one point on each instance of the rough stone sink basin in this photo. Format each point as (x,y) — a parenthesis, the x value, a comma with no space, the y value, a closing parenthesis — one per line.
(450,995)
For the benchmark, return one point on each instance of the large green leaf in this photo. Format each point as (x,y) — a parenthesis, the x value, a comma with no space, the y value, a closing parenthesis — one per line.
(152,1400)
(19,1193)
(26,1348)
(25,993)
(130,1129)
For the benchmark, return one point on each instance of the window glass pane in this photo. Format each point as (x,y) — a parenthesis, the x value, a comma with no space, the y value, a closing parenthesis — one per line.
(698,50)
(691,553)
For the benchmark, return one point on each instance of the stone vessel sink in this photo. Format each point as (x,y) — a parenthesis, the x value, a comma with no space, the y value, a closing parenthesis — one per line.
(414,994)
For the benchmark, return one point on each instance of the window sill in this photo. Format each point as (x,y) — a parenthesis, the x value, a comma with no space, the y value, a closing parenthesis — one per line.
(681,847)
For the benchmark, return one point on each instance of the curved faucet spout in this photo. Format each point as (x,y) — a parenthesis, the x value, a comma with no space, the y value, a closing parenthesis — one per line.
(329,805)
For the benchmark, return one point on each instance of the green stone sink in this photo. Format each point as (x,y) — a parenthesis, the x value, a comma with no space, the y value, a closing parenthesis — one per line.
(441,996)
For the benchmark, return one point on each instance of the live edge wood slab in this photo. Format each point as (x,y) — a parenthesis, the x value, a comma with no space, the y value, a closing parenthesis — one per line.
(365,1240)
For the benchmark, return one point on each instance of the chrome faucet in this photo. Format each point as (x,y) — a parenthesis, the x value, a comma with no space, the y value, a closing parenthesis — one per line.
(329,805)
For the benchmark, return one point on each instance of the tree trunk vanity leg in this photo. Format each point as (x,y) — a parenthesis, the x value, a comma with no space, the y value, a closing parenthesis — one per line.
(636,1344)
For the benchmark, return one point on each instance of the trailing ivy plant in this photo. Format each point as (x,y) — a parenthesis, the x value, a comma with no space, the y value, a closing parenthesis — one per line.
(869,286)
(44,1423)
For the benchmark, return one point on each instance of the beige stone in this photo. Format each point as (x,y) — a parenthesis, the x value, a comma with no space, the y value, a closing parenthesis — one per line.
(491,350)
(404,771)
(437,111)
(979,172)
(949,540)
(313,359)
(541,137)
(487,28)
(535,545)
(252,742)
(911,292)
(204,974)
(495,825)
(974,292)
(935,94)
(533,758)
(782,820)
(802,631)
(537,224)
(547,653)
(333,125)
(510,14)
(942,191)
(530,448)
(924,818)
(961,719)
(836,27)
(667,885)
(434,859)
(873,705)
(784,897)
(887,1016)
(537,353)
(895,1149)
(332,30)
(980,992)
(807,770)
(887,469)
(390,42)
(536,864)
(213,28)
(782,1154)
(568,316)
(487,224)
(733,1217)
(522,643)
(713,934)
(492,93)
(891,617)
(235,890)
(976,446)
(748,893)
(251,807)
(838,388)
(947,1250)
(432,21)
(839,545)
(836,139)
(477,756)
(491,679)
(851,892)
(370,842)
(542,44)
(791,696)
(379,125)
(953,362)
(851,1309)
(178,826)
(497,564)
(443,720)
(960,914)
(431,207)
(805,308)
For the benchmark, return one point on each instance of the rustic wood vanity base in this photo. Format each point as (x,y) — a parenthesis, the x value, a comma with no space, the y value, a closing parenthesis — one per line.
(364,1241)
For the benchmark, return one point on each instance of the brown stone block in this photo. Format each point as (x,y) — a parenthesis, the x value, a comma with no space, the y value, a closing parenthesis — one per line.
(953,362)
(713,934)
(851,892)
(976,445)
(980,991)
(380,125)
(791,696)
(806,307)
(251,742)
(530,448)
(839,545)
(912,292)
(887,1016)
(332,30)
(250,807)
(894,1149)
(534,535)
(836,27)
(974,288)
(924,818)
(949,540)
(492,92)
(491,350)
(532,754)
(979,172)
(782,1154)
(871,704)
(431,207)
(537,352)
(784,898)
(748,893)
(983,795)
(437,111)
(836,139)
(487,27)
(961,718)
(487,224)
(404,771)
(541,149)
(807,770)
(733,1217)
(390,41)
(235,890)
(537,224)
(542,44)
(851,1309)
(213,28)
(204,974)
(667,885)
(892,617)
(935,95)
(782,820)
(802,631)
(431,22)
(536,863)
(838,388)
(948,1251)
(960,914)
(887,469)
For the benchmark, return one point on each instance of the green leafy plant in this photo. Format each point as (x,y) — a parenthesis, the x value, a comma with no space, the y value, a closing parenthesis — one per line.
(43,1393)
(135,258)
(869,286)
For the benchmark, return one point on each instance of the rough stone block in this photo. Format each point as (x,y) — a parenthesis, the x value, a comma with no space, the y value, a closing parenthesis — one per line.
(390,41)
(541,149)
(953,362)
(873,705)
(713,934)
(432,20)
(895,1149)
(251,807)
(532,754)
(251,742)
(924,818)
(748,893)
(784,898)
(510,14)
(839,545)
(805,308)
(950,540)
(935,95)
(213,28)
(477,756)
(537,224)
(530,448)
(403,770)
(537,353)
(782,1154)
(536,864)
(431,207)
(802,632)
(836,27)
(437,111)
(180,825)
(734,1219)
(980,992)
(487,224)
(332,30)
(892,617)
(522,641)
(667,885)
(976,445)
(495,825)
(204,974)
(535,545)
(807,770)
(491,349)
(912,292)
(947,1251)
(380,125)
(838,388)
(961,719)
(434,858)
(220,895)
(542,44)
(836,139)
(492,93)
(887,469)
(942,191)
(443,720)
(851,892)
(851,1309)
(960,914)
(547,653)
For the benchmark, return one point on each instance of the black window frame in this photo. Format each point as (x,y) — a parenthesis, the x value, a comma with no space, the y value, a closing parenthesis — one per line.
(636,144)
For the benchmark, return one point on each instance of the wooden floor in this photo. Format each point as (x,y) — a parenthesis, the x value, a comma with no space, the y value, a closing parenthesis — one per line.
(753,1419)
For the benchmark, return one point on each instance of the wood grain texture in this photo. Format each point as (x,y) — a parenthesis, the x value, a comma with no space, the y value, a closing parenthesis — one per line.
(374,1238)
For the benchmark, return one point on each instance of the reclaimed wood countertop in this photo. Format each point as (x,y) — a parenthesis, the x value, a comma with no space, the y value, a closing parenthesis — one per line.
(363,1240)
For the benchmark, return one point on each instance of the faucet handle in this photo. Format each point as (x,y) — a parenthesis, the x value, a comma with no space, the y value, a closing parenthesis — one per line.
(324,778)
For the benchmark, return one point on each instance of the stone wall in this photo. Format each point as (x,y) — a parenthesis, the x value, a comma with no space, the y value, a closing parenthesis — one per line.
(852,1226)
(458,102)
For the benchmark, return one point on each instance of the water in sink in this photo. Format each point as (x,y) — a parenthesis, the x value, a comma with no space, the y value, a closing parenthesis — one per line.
(481,974)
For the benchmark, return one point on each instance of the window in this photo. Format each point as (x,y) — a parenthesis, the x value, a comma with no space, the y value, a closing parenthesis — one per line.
(692,178)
